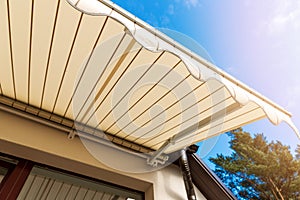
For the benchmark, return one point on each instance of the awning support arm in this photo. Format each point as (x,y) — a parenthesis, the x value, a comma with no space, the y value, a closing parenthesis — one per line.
(153,160)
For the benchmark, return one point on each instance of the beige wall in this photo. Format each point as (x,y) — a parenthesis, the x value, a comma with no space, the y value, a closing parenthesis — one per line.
(27,139)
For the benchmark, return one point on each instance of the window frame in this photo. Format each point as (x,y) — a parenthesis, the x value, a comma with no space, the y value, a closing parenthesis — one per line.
(18,172)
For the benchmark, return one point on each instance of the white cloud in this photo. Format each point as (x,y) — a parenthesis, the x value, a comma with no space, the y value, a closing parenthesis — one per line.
(191,3)
(286,17)
(164,21)
(171,9)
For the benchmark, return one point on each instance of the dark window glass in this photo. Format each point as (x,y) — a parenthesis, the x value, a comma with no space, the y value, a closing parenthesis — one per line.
(51,184)
(6,165)
(3,172)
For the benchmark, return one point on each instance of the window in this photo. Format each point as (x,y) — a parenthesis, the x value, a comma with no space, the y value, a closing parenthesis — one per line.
(3,172)
(6,165)
(24,180)
(43,183)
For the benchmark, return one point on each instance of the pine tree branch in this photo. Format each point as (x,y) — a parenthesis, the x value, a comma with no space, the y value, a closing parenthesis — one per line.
(276,188)
(254,184)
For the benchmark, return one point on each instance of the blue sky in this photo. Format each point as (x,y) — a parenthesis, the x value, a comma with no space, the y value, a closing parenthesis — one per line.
(258,42)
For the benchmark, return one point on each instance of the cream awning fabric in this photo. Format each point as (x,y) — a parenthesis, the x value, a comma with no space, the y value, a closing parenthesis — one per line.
(99,66)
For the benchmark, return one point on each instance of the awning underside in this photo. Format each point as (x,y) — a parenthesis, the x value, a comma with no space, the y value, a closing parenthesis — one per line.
(95,71)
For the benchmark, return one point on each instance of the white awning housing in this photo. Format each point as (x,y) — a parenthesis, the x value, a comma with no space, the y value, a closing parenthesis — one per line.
(102,67)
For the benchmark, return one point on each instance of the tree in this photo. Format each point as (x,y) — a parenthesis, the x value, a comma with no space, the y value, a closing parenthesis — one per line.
(259,170)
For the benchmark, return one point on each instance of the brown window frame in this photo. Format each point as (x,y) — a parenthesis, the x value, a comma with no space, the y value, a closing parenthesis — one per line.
(14,180)
(17,174)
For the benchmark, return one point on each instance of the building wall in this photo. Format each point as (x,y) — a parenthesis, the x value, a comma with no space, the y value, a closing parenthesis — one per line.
(27,139)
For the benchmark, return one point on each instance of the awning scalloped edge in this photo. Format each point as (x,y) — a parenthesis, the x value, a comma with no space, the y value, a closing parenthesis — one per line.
(202,71)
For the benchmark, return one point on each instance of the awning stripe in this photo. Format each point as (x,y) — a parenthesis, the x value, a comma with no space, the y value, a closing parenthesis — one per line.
(96,82)
(178,114)
(213,130)
(204,116)
(30,52)
(86,41)
(158,100)
(83,72)
(149,90)
(67,63)
(119,133)
(257,112)
(49,54)
(129,45)
(154,103)
(101,102)
(11,51)
(144,73)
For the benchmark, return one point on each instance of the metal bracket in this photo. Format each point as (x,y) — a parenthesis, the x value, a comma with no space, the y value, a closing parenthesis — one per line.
(161,159)
(157,157)
(72,134)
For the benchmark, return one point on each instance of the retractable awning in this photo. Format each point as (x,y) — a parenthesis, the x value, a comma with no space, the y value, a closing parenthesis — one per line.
(91,62)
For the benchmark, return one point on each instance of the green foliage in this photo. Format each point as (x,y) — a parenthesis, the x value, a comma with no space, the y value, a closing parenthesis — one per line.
(258,169)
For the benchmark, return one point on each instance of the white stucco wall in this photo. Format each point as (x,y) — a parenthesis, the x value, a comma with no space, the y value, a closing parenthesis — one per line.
(169,184)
